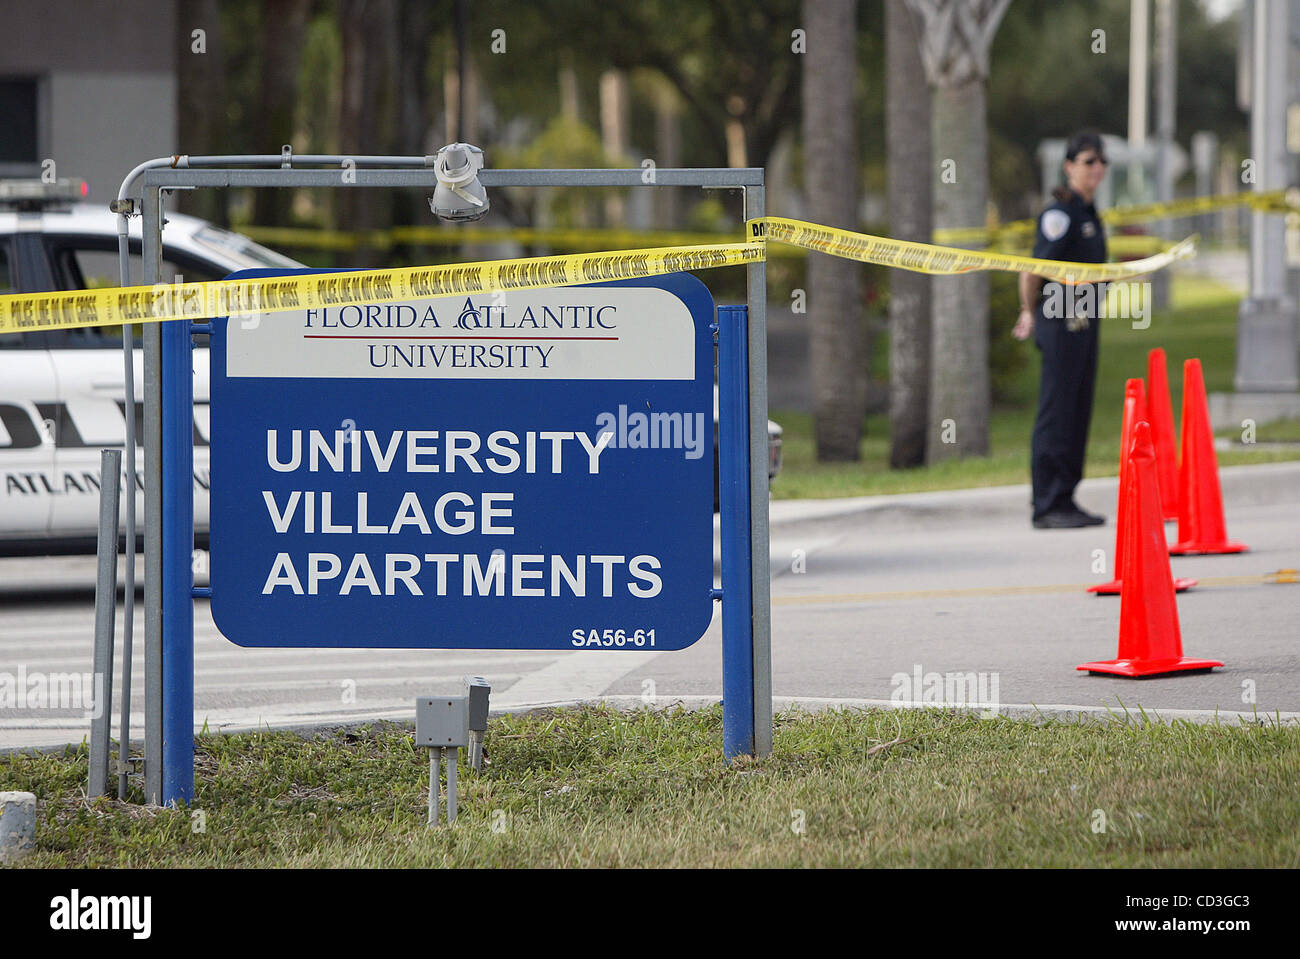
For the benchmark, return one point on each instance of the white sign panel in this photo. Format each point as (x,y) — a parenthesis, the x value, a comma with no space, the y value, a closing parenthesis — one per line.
(621,333)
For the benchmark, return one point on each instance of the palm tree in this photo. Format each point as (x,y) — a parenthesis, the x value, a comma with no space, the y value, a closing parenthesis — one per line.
(367,110)
(282,29)
(907,136)
(831,182)
(955,51)
(201,98)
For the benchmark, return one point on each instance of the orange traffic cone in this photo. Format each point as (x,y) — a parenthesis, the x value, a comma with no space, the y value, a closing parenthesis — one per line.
(1201,527)
(1160,415)
(1150,642)
(1134,412)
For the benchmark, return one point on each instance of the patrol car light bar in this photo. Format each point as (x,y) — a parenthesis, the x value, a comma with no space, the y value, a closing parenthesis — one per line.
(37,194)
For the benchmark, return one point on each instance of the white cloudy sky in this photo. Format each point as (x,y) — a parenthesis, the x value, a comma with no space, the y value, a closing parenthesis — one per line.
(1219,9)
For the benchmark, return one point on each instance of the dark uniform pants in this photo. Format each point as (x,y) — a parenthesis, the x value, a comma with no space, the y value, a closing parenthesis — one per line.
(1065,396)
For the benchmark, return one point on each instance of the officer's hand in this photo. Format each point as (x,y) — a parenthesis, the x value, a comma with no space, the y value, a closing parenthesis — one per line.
(1024,327)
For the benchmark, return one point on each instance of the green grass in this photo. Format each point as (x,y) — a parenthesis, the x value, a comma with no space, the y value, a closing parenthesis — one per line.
(595,787)
(1201,323)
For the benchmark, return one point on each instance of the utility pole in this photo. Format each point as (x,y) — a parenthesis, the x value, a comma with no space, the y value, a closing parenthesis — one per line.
(1139,30)
(1268,373)
(462,73)
(1166,110)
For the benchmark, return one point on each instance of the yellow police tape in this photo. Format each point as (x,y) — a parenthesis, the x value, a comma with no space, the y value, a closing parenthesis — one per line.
(1011,234)
(28,313)
(1271,201)
(598,238)
(927,258)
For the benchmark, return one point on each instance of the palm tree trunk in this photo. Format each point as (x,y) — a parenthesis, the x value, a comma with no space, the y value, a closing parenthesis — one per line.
(830,181)
(367,122)
(907,134)
(201,99)
(283,27)
(959,384)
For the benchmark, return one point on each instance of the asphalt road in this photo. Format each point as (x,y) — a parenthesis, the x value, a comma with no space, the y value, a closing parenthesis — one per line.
(959,582)
(865,591)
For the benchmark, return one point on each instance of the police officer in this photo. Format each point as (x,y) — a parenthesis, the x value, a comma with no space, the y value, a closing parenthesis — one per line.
(1063,322)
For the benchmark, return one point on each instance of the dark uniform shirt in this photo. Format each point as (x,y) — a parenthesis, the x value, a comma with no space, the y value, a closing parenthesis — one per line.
(1070,230)
(1083,239)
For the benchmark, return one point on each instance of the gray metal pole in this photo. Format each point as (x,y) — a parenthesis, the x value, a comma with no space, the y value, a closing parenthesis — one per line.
(462,71)
(110,472)
(1137,96)
(1268,143)
(452,754)
(424,177)
(435,783)
(185,162)
(760,560)
(1205,163)
(133,473)
(153,675)
(1166,94)
(1266,327)
(132,484)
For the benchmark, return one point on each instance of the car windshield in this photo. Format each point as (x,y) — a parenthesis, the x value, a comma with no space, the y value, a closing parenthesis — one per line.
(241,247)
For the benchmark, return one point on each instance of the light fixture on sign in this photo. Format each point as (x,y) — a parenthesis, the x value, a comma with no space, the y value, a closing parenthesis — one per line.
(459,195)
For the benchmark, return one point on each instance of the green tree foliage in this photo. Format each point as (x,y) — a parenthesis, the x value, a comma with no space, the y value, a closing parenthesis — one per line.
(728,59)
(564,143)
(735,55)
(1046,81)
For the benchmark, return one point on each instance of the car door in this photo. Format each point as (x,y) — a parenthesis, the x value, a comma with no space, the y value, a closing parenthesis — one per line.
(28,392)
(88,367)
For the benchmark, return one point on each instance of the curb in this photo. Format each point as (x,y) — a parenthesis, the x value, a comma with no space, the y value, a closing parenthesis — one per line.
(1264,483)
(1045,713)
(1017,711)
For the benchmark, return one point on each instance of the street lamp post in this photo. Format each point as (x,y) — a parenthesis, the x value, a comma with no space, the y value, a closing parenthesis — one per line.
(1268,372)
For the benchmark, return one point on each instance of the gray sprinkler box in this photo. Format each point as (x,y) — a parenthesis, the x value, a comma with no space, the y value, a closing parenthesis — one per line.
(442,721)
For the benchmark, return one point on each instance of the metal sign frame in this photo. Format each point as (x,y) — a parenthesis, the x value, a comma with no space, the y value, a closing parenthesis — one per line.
(169,653)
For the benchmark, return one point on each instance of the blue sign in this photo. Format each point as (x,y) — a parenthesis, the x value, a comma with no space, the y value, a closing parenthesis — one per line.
(522,470)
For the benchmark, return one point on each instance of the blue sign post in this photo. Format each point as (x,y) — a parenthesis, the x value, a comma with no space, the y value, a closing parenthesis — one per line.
(530,470)
(733,502)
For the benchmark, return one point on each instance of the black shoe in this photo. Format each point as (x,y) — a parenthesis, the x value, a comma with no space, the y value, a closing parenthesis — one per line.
(1092,518)
(1063,519)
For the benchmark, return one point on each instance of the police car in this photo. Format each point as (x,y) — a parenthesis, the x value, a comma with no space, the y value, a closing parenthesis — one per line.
(61,392)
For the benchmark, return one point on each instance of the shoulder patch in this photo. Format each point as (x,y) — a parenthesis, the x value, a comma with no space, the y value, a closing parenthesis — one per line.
(1055,223)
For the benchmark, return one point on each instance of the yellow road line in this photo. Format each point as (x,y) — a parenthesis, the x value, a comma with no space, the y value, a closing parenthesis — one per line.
(829,599)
